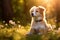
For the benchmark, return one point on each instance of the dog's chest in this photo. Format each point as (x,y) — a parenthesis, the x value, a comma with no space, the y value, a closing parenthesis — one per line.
(39,25)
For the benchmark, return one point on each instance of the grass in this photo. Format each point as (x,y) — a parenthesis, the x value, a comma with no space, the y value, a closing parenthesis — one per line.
(19,33)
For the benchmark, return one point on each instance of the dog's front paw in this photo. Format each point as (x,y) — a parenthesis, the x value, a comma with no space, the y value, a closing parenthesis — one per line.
(28,34)
(39,33)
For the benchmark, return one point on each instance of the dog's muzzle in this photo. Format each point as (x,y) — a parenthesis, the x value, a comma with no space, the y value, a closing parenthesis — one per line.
(32,15)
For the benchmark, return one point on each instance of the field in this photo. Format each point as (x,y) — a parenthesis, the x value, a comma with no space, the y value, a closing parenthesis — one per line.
(19,33)
(15,19)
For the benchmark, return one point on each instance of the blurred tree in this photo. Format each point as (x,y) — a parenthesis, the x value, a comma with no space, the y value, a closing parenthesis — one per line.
(21,10)
(0,10)
(7,11)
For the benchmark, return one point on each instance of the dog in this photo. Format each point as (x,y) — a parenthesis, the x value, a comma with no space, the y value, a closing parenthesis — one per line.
(38,23)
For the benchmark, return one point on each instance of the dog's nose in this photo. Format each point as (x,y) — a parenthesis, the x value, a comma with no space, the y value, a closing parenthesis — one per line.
(32,14)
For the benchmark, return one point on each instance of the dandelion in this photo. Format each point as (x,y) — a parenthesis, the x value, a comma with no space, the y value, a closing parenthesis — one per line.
(58,31)
(19,26)
(49,26)
(3,21)
(6,24)
(12,22)
(53,26)
(1,26)
(18,21)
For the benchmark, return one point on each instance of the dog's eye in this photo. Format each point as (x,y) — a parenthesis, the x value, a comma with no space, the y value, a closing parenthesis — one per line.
(36,11)
(31,11)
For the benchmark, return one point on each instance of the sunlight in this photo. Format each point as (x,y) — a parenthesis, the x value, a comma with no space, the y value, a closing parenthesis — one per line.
(15,20)
(21,1)
(46,3)
(49,6)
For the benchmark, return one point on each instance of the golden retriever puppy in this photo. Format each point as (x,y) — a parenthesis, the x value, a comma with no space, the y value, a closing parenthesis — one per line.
(38,22)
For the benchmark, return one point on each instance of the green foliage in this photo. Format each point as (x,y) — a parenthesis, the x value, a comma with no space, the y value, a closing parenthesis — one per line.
(14,34)
(19,12)
(34,37)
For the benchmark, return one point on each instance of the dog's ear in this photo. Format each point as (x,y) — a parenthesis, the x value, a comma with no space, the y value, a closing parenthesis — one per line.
(41,8)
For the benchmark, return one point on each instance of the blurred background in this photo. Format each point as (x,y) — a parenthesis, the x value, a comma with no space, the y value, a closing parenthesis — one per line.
(18,10)
(15,19)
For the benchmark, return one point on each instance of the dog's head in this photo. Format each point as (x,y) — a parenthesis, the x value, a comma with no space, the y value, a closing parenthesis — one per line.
(37,12)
